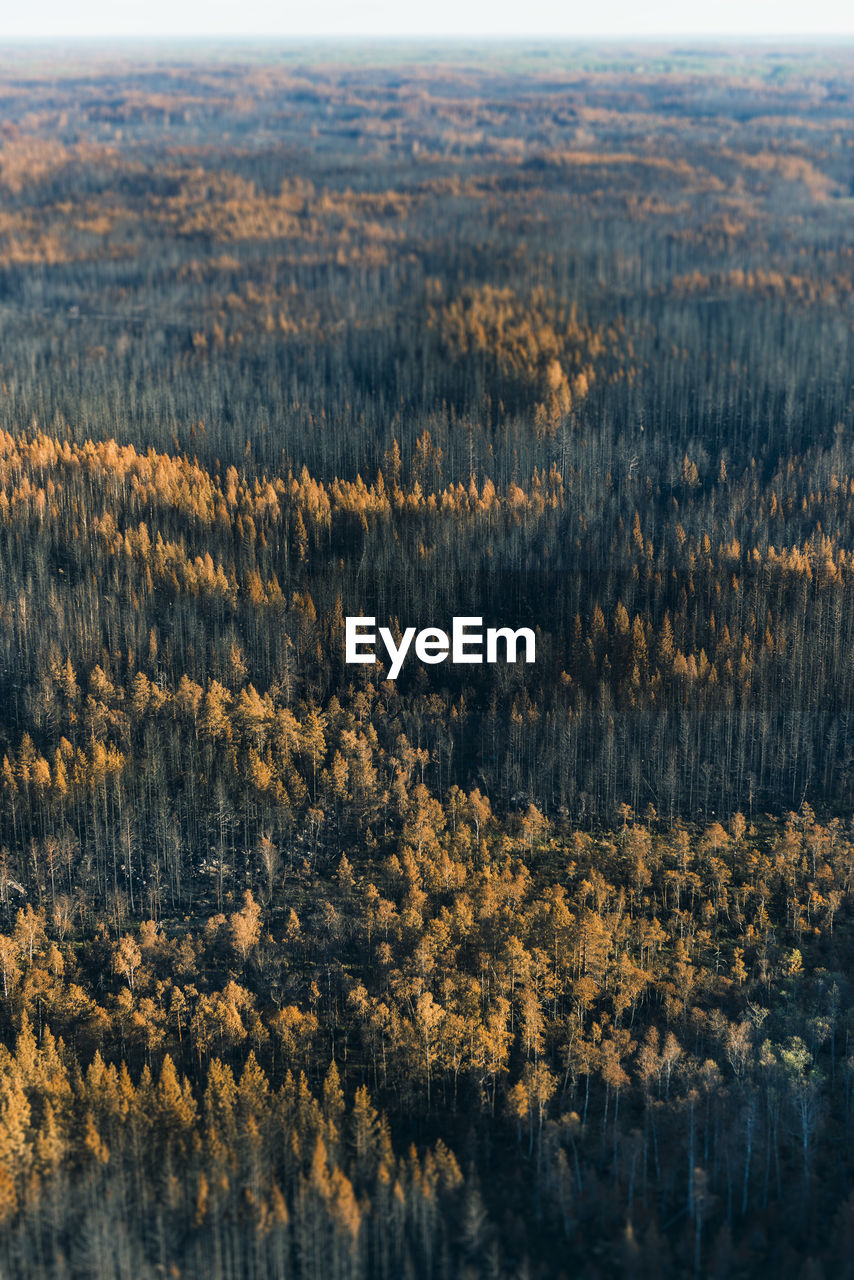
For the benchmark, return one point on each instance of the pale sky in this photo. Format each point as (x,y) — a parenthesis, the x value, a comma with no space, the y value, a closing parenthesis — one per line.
(51,19)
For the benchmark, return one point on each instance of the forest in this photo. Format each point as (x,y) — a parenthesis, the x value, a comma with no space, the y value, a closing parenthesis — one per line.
(526,971)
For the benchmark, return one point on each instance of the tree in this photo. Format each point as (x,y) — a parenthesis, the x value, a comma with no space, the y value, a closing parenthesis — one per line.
(245,926)
(127,958)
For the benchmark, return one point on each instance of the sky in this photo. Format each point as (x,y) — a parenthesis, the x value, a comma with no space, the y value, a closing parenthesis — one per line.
(52,19)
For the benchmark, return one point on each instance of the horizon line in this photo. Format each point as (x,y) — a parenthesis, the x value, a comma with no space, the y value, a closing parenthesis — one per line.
(645,37)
